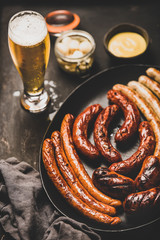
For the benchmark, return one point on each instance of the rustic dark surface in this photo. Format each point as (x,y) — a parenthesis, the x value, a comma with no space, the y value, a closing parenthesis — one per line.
(21,133)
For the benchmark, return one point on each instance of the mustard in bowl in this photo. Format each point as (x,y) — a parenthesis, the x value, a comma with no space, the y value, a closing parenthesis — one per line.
(126,41)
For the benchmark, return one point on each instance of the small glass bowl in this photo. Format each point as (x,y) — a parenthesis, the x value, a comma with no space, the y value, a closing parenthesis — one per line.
(75,63)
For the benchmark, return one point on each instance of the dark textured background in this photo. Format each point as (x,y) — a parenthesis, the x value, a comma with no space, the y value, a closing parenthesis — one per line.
(21,133)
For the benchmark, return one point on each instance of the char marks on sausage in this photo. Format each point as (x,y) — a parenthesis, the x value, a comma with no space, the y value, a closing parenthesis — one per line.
(131,114)
(112,183)
(101,135)
(80,131)
(133,164)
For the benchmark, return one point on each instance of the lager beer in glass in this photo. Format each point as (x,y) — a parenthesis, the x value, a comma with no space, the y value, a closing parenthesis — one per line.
(29,45)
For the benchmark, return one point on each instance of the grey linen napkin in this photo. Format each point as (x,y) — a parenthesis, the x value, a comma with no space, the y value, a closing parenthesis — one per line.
(25,211)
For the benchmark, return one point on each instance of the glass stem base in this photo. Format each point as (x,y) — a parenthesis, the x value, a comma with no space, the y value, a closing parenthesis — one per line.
(35,104)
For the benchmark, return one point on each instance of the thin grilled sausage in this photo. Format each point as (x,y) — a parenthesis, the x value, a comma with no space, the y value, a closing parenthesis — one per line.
(80,131)
(147,112)
(131,114)
(151,84)
(147,144)
(69,176)
(149,176)
(68,194)
(101,136)
(77,165)
(153,73)
(145,93)
(142,201)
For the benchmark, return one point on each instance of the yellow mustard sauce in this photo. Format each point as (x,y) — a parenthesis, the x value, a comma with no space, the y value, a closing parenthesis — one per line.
(127,44)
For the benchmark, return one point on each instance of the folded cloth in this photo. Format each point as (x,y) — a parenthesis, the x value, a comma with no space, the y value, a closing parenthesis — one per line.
(25,211)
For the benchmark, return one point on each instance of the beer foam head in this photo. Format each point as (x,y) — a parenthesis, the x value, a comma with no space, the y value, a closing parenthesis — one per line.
(27,28)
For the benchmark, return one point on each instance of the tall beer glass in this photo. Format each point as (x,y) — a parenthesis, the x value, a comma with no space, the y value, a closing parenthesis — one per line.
(29,45)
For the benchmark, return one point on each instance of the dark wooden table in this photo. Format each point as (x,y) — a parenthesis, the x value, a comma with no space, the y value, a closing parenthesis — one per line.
(21,133)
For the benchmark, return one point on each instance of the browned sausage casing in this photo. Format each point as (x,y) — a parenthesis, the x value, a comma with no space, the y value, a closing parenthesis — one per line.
(140,201)
(77,165)
(80,131)
(131,114)
(146,148)
(147,111)
(69,176)
(61,185)
(149,176)
(101,137)
(112,183)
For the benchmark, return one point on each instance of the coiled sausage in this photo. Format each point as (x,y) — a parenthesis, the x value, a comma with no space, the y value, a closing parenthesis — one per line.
(147,144)
(131,114)
(147,112)
(101,136)
(80,131)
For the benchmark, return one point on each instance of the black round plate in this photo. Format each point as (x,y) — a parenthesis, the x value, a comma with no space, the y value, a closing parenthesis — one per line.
(93,91)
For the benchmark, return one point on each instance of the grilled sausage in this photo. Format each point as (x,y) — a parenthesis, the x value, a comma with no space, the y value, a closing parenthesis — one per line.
(142,201)
(151,84)
(77,166)
(145,93)
(68,194)
(147,144)
(153,73)
(69,176)
(147,112)
(80,130)
(149,176)
(101,137)
(112,183)
(131,114)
